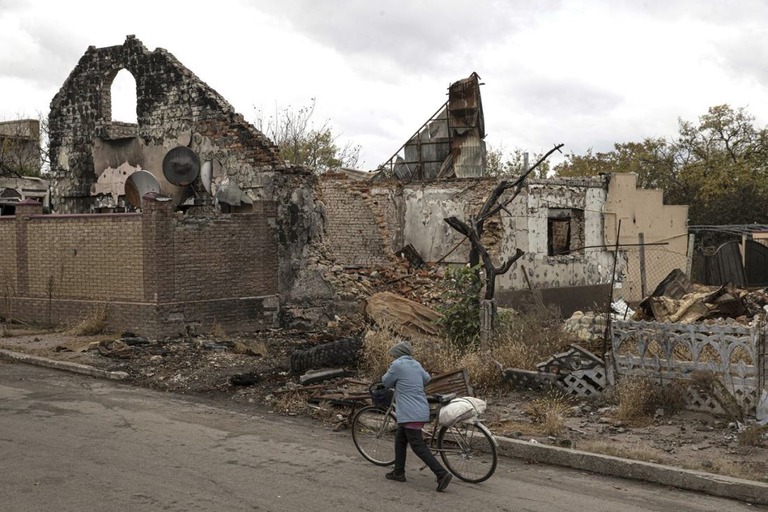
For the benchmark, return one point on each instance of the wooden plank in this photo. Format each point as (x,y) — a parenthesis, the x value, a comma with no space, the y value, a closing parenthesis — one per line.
(451,382)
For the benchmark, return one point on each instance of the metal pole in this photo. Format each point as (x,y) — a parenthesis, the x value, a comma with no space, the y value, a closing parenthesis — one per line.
(607,332)
(689,263)
(641,240)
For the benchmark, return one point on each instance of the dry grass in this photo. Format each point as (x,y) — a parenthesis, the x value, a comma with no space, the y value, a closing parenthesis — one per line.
(735,469)
(639,397)
(549,412)
(375,358)
(625,452)
(522,342)
(94,323)
(217,330)
(292,402)
(753,435)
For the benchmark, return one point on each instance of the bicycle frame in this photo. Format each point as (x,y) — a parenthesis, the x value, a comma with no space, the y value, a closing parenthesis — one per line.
(468,448)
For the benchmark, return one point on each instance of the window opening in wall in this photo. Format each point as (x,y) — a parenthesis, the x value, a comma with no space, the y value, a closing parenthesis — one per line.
(565,231)
(123,98)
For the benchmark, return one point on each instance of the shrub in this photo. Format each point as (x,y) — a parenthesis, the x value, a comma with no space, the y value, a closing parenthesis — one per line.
(523,340)
(461,313)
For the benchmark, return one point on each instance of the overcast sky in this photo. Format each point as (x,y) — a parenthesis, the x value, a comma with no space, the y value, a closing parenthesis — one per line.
(585,73)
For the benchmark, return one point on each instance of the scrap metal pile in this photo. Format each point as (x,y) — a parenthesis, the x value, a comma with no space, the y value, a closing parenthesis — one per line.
(677,300)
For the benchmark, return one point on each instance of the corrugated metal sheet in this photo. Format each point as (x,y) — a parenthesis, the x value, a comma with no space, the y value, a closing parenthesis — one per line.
(756,268)
(727,266)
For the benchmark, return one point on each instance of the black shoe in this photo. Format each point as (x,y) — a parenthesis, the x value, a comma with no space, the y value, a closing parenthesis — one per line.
(397,477)
(443,482)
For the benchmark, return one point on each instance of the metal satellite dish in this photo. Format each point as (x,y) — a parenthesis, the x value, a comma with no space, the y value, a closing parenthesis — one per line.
(138,184)
(181,166)
(206,175)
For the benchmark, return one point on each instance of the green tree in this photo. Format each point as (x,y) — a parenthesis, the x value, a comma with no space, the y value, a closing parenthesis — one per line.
(500,162)
(302,143)
(717,167)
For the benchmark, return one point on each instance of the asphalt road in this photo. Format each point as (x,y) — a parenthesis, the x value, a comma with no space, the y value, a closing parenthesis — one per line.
(74,443)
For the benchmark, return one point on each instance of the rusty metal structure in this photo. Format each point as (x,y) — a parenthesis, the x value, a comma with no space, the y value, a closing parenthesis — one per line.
(449,144)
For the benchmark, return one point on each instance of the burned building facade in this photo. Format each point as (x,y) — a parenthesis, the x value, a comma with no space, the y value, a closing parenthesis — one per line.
(92,156)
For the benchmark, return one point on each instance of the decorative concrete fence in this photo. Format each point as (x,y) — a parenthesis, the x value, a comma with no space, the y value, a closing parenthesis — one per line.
(729,359)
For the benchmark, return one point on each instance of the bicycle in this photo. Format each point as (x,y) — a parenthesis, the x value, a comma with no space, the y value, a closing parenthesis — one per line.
(467,448)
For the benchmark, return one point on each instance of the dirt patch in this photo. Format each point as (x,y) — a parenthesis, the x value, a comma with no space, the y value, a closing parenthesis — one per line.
(255,368)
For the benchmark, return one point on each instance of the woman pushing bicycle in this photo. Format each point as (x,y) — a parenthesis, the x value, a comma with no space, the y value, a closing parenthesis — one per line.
(408,378)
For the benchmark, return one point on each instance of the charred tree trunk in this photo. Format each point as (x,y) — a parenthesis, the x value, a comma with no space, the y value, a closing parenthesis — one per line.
(473,230)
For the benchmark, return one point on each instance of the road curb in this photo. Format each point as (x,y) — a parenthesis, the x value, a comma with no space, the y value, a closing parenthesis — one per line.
(708,483)
(62,365)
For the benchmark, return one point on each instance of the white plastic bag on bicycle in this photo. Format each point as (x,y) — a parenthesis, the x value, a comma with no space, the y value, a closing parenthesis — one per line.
(460,410)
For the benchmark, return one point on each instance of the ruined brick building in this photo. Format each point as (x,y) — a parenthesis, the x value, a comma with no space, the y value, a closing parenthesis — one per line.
(158,269)
(248,242)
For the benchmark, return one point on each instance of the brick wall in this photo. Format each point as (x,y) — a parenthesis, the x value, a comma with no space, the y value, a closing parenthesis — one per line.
(158,271)
(356,229)
(85,256)
(8,261)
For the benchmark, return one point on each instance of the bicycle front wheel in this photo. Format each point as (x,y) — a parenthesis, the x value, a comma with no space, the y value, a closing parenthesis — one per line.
(373,431)
(468,451)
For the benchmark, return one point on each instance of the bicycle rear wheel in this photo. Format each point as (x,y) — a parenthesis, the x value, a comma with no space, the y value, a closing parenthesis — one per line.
(468,451)
(373,431)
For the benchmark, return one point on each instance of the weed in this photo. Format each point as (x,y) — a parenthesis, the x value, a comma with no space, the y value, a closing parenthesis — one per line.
(753,435)
(549,412)
(217,330)
(94,323)
(375,357)
(635,397)
(289,403)
(524,340)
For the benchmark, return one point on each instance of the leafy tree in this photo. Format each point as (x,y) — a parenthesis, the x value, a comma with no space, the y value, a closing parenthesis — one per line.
(302,143)
(498,162)
(717,167)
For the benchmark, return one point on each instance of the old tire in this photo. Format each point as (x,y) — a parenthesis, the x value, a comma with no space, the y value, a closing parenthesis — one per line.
(343,352)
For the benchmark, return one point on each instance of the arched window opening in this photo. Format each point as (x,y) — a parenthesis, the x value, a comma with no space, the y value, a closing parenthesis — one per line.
(123,97)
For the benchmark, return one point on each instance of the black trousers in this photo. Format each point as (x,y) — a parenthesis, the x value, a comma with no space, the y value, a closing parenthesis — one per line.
(412,436)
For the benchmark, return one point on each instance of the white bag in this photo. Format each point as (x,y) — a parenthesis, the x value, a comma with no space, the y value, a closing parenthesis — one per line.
(461,409)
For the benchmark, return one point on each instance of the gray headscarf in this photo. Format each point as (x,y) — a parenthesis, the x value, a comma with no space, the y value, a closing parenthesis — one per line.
(403,348)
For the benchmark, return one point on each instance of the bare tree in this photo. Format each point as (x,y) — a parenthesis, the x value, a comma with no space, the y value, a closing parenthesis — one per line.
(20,148)
(303,143)
(473,230)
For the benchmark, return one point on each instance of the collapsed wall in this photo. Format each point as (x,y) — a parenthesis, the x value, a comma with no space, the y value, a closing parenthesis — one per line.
(557,222)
